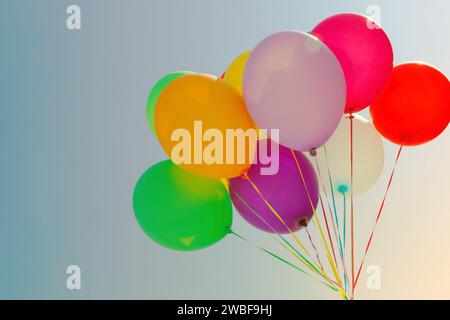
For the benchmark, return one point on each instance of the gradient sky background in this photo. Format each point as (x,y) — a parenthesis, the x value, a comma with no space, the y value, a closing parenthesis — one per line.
(74,140)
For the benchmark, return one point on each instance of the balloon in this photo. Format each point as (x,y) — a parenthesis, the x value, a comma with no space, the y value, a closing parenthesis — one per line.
(368,155)
(414,107)
(192,117)
(156,91)
(365,54)
(235,71)
(284,190)
(235,75)
(294,83)
(180,210)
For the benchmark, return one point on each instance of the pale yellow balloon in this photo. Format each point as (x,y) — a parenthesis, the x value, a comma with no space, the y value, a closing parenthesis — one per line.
(235,72)
(368,156)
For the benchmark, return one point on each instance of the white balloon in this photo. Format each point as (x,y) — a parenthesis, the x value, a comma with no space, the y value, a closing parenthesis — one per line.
(368,155)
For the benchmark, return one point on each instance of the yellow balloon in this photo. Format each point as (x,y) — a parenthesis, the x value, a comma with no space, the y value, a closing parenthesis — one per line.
(235,71)
(203,126)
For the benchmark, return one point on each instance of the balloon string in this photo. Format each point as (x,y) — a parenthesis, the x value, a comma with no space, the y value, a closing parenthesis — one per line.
(314,247)
(325,215)
(297,254)
(378,215)
(304,260)
(280,259)
(344,231)
(291,250)
(344,219)
(332,283)
(246,177)
(352,231)
(336,230)
(336,219)
(330,238)
(316,220)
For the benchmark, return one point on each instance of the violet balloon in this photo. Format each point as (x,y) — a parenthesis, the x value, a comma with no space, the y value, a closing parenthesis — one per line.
(365,54)
(294,83)
(284,191)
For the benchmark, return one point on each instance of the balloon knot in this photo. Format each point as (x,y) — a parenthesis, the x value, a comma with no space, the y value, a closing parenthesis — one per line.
(313,152)
(350,116)
(245,175)
(303,223)
(342,188)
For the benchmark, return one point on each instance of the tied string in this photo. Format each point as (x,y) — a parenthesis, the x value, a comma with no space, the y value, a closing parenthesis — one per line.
(316,220)
(380,210)
(324,213)
(344,231)
(280,259)
(246,177)
(332,283)
(336,219)
(295,252)
(337,288)
(314,247)
(336,230)
(352,232)
(344,218)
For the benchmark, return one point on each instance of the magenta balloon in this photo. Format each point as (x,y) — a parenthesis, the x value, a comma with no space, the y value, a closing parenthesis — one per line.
(294,83)
(284,190)
(365,54)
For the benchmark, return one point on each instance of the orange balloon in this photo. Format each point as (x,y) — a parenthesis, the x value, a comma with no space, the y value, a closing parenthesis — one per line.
(203,126)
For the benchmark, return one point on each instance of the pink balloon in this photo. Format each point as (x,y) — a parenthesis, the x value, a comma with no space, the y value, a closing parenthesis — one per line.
(294,83)
(365,54)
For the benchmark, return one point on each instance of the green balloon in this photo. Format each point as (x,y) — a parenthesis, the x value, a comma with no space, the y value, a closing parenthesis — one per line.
(156,91)
(180,210)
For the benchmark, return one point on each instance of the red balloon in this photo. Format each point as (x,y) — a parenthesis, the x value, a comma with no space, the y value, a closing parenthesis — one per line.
(414,106)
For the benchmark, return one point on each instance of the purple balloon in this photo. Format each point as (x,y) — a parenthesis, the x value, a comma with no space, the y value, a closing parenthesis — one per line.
(284,190)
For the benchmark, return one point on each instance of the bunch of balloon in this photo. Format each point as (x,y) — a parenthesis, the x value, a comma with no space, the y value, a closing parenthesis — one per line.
(409,105)
(412,109)
(304,91)
(181,203)
(354,156)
